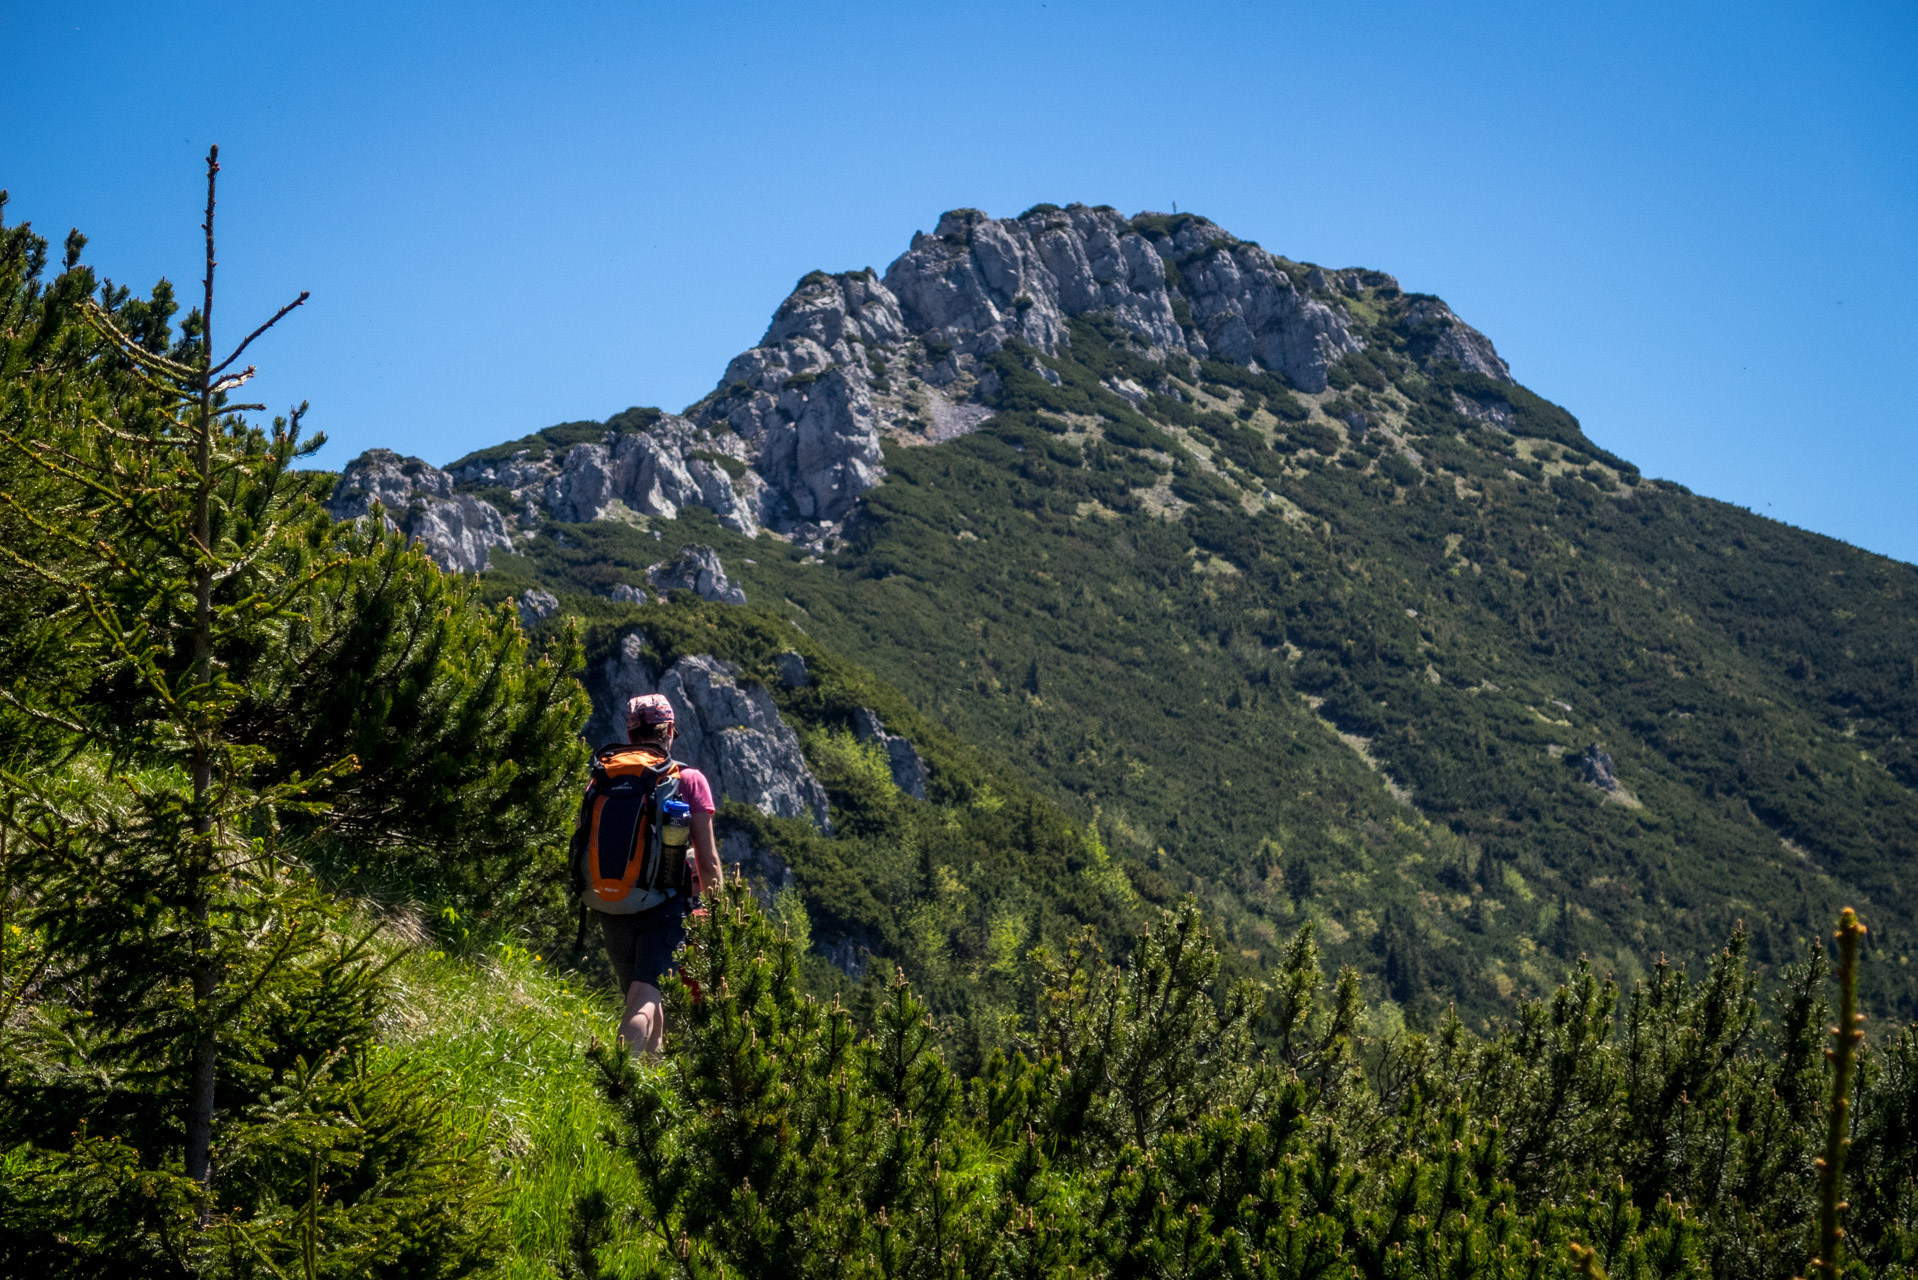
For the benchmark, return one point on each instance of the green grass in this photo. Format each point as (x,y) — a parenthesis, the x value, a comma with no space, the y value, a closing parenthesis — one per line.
(510,1035)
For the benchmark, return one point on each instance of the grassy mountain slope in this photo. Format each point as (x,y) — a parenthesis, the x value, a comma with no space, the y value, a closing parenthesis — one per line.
(506,1038)
(1344,655)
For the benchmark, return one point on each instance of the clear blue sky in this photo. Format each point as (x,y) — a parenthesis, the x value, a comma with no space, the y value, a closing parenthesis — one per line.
(1695,226)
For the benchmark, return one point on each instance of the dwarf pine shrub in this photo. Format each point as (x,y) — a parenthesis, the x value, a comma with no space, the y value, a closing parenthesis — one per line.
(1153,1122)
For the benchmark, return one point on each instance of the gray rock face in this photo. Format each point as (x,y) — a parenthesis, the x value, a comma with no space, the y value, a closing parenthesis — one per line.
(614,682)
(908,770)
(457,530)
(792,671)
(1435,335)
(820,448)
(697,569)
(1249,310)
(765,872)
(626,593)
(535,606)
(1596,764)
(1493,411)
(730,731)
(976,282)
(735,733)
(851,958)
(652,465)
(802,400)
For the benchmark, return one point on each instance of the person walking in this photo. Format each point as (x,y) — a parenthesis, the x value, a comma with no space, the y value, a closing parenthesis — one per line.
(643,851)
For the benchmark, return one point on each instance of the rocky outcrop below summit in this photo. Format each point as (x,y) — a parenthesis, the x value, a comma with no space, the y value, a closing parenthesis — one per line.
(697,569)
(458,530)
(536,606)
(729,730)
(1434,335)
(645,463)
(802,400)
(908,769)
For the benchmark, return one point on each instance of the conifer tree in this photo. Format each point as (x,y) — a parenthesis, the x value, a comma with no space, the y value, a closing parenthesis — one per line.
(191,1083)
(185,547)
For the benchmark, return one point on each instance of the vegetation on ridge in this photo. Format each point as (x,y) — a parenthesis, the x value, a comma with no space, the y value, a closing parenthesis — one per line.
(1303,658)
(1347,656)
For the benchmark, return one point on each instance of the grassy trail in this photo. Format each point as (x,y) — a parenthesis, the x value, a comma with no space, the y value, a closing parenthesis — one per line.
(510,1035)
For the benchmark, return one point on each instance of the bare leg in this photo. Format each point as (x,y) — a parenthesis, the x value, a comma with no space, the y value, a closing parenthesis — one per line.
(645,1020)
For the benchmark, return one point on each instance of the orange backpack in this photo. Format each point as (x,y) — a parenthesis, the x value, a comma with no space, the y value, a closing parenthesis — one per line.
(620,864)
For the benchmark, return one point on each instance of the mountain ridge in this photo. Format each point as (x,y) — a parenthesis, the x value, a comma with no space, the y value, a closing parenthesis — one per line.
(1275,576)
(806,409)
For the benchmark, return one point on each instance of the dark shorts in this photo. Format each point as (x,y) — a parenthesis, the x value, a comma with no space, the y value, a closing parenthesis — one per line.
(641,946)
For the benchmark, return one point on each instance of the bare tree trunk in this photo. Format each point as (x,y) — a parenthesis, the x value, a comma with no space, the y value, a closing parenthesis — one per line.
(199,1119)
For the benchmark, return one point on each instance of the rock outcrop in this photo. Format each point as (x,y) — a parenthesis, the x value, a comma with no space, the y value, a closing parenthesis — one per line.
(729,730)
(697,569)
(851,360)
(458,530)
(611,683)
(908,770)
(646,463)
(535,606)
(850,957)
(802,400)
(1596,764)
(1433,335)
(765,872)
(976,282)
(735,733)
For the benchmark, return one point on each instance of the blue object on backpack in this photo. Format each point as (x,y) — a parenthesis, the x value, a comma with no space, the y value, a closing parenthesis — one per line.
(675,822)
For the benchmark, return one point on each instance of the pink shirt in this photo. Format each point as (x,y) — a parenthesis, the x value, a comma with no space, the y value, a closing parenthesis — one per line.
(696,791)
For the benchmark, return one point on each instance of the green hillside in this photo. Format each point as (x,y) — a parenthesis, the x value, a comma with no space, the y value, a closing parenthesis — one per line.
(1306,669)
(1222,802)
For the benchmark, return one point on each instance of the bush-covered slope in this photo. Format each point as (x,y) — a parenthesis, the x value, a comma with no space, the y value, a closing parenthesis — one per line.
(957,888)
(1348,655)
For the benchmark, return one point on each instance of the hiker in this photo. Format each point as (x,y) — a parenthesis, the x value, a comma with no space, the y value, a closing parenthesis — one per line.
(640,813)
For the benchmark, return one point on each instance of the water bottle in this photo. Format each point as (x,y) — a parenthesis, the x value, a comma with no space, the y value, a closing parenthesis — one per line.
(675,823)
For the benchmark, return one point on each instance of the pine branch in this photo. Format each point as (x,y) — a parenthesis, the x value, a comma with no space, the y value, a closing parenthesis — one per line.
(278,316)
(129,347)
(1846,1036)
(117,639)
(45,716)
(68,473)
(1586,1260)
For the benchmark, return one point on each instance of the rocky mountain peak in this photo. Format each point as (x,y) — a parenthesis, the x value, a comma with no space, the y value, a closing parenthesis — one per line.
(852,359)
(793,433)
